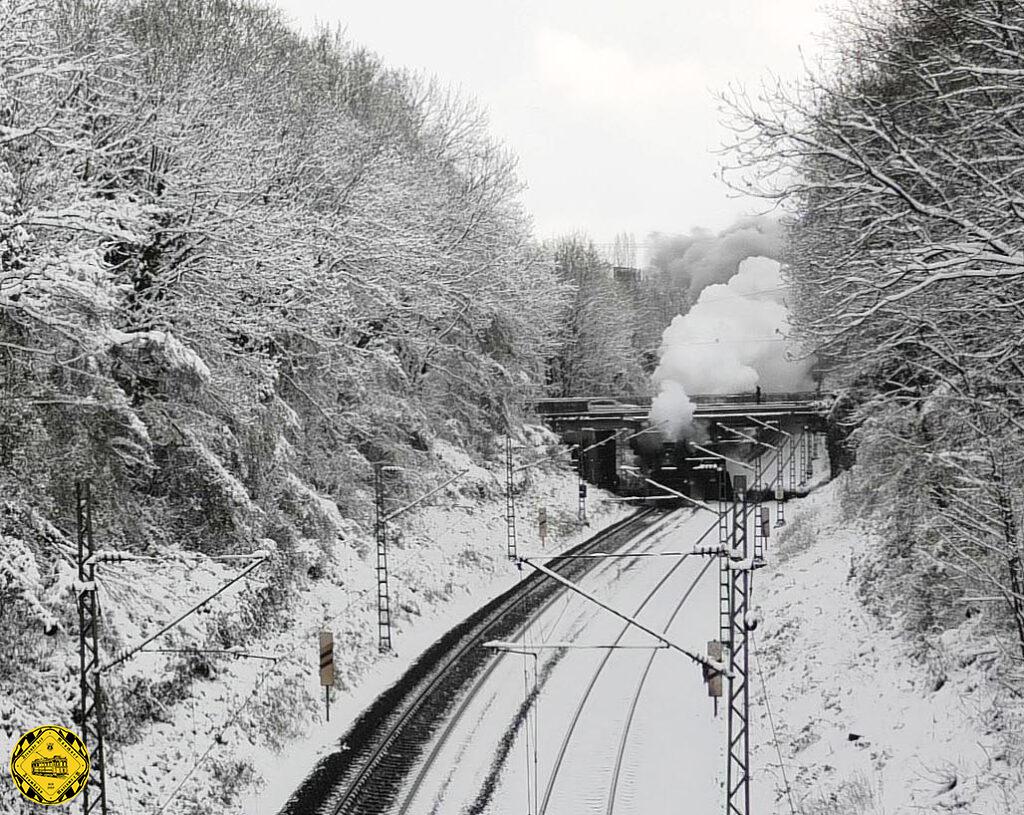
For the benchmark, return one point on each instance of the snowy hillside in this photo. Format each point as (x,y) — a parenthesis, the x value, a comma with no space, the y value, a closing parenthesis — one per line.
(864,725)
(227,729)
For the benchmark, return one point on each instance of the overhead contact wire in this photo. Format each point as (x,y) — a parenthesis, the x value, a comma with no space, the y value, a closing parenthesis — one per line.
(593,681)
(771,722)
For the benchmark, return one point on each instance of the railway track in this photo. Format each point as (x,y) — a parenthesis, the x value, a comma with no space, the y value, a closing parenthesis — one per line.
(633,705)
(586,695)
(390,739)
(388,753)
(620,754)
(409,794)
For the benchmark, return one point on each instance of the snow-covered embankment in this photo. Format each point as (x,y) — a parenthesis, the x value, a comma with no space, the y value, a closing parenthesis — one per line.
(864,725)
(245,736)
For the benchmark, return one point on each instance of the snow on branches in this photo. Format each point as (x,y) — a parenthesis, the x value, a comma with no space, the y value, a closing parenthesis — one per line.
(238,265)
(899,164)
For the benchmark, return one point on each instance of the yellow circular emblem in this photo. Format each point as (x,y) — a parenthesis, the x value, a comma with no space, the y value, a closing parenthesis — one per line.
(50,764)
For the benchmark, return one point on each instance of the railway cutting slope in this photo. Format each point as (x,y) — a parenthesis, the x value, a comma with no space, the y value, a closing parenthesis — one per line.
(365,773)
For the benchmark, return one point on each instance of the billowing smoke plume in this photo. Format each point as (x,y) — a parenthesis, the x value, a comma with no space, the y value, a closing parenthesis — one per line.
(732,340)
(693,262)
(672,410)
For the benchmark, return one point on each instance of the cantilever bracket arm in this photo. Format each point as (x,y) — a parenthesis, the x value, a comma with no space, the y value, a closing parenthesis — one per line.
(700,659)
(745,437)
(531,650)
(771,427)
(719,455)
(677,494)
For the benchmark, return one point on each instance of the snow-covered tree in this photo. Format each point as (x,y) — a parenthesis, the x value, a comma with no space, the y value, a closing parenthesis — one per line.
(596,351)
(898,162)
(238,265)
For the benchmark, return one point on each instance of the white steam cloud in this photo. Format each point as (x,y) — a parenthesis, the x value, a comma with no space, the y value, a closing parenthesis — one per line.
(672,410)
(697,260)
(732,340)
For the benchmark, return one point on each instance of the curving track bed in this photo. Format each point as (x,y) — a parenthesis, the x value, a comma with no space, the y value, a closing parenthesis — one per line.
(394,748)
(612,730)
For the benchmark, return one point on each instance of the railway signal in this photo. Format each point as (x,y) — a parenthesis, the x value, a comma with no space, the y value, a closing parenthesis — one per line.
(711,677)
(542,525)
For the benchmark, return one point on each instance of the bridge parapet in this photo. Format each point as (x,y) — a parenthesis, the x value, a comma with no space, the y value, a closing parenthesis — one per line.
(710,406)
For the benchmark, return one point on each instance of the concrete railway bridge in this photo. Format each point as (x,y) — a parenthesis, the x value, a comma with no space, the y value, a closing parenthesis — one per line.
(617,447)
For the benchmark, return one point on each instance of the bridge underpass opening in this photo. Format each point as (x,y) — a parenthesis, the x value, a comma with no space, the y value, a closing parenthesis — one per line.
(598,450)
(618,449)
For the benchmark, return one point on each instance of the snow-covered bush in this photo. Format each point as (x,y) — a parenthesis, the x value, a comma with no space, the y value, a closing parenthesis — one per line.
(798,535)
(853,796)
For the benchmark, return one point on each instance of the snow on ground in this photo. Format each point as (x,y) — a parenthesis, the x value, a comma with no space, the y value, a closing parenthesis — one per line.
(446,558)
(863,727)
(241,733)
(604,731)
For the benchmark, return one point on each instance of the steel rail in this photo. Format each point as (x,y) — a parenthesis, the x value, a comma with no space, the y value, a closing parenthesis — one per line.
(350,797)
(639,691)
(616,773)
(471,695)
(436,674)
(566,739)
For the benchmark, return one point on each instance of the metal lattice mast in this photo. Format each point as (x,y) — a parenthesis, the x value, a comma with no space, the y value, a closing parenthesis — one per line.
(793,442)
(756,511)
(510,501)
(737,777)
(94,794)
(383,590)
(724,545)
(780,489)
(809,458)
(803,458)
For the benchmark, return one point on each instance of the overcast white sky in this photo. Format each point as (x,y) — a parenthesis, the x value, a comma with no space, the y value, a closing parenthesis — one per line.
(607,103)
